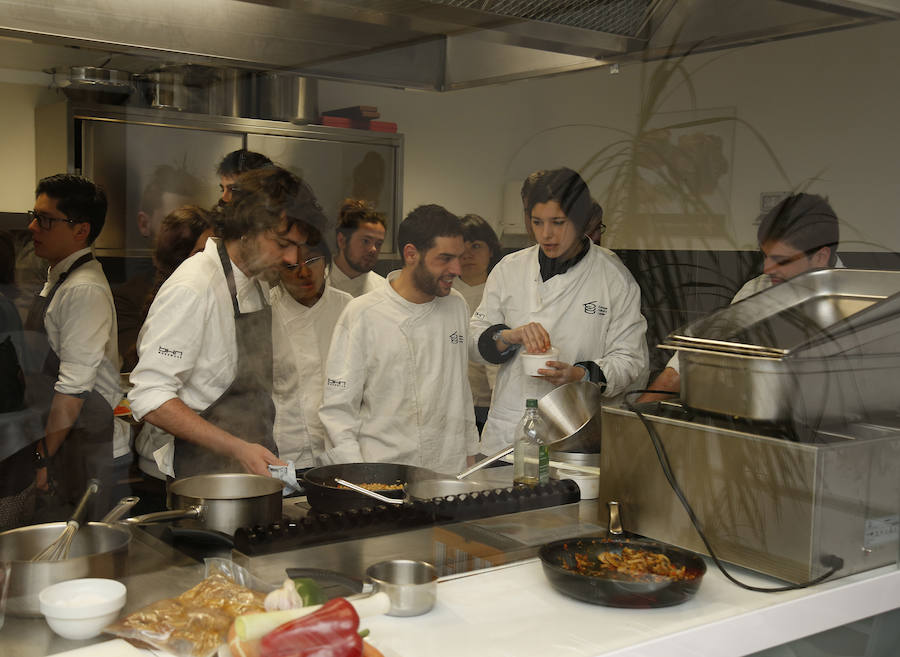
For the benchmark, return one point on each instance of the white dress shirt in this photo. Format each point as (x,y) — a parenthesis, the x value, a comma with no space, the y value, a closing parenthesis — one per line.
(186,347)
(81,328)
(300,340)
(396,386)
(354,286)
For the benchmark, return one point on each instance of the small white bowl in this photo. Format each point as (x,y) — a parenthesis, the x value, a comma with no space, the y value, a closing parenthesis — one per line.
(81,608)
(588,484)
(531,363)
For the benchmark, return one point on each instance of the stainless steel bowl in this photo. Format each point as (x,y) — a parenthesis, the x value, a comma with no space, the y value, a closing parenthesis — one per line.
(98,550)
(572,415)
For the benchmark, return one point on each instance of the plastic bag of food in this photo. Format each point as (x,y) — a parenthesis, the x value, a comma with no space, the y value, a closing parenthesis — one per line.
(194,623)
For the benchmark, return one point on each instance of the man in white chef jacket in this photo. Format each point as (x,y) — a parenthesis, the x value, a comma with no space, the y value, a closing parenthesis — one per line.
(195,358)
(360,234)
(397,387)
(798,235)
(81,370)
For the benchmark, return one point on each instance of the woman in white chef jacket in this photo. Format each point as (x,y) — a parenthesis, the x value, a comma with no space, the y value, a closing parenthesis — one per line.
(305,310)
(482,253)
(566,292)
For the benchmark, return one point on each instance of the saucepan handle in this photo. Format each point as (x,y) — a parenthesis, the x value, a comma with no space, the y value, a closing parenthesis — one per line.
(484,462)
(165,516)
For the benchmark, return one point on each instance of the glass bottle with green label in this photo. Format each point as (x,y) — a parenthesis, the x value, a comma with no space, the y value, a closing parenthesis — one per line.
(531,456)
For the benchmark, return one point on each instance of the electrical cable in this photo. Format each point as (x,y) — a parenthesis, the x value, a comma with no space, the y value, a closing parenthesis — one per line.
(834,561)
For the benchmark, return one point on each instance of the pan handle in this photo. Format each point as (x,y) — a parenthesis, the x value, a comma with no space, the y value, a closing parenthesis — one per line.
(366,491)
(165,516)
(120,509)
(615,520)
(484,462)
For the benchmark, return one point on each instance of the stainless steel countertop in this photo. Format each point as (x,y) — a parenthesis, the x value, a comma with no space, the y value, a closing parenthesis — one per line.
(156,571)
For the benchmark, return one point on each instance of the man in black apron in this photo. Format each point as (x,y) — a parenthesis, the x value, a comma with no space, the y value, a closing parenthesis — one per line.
(74,316)
(204,372)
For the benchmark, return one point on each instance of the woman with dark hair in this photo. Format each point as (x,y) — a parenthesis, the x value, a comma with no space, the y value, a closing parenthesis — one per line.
(305,309)
(481,254)
(565,292)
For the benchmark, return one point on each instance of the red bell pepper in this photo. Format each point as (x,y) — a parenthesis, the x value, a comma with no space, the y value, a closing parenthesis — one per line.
(332,631)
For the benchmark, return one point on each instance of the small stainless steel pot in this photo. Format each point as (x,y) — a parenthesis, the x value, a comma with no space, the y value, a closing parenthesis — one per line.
(221,502)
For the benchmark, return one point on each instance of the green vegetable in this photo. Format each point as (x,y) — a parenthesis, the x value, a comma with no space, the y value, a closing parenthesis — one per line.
(309,591)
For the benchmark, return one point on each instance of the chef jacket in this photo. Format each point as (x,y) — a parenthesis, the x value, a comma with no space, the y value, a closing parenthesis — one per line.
(592,312)
(354,286)
(81,329)
(748,289)
(481,375)
(396,387)
(300,340)
(187,348)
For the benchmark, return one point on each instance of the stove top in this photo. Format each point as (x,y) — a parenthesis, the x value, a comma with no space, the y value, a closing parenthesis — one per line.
(316,528)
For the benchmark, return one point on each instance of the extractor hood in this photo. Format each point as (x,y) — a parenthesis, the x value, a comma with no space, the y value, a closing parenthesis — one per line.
(425,44)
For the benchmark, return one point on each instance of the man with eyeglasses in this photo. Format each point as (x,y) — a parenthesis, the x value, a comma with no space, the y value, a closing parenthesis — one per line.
(798,235)
(79,378)
(305,310)
(204,371)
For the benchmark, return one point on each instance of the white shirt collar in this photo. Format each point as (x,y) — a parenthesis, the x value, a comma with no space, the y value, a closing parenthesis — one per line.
(54,272)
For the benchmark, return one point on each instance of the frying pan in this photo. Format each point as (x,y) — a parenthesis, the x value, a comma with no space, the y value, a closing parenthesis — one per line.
(325,496)
(421,490)
(614,590)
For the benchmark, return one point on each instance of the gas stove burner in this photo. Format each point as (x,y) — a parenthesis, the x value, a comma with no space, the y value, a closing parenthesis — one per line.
(318,528)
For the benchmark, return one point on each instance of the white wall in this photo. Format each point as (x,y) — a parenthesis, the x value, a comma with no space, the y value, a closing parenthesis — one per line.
(19,94)
(826,105)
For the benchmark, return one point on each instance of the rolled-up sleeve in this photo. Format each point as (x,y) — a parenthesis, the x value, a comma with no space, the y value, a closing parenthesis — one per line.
(168,347)
(343,393)
(82,317)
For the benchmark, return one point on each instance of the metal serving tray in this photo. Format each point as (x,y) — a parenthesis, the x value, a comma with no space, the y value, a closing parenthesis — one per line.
(822,347)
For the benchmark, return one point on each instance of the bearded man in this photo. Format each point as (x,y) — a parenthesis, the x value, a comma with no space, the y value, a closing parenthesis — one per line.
(396,380)
(204,371)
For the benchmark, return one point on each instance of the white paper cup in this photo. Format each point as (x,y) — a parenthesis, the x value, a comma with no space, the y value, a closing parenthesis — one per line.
(531,363)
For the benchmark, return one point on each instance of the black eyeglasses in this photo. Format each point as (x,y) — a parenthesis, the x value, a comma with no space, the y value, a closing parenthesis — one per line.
(305,263)
(46,223)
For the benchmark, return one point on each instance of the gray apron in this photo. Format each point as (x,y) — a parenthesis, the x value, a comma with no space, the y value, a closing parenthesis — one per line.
(87,450)
(245,409)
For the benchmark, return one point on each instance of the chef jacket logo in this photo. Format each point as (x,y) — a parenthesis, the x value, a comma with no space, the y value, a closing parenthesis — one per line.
(171,353)
(594,308)
(479,315)
(340,384)
(456,338)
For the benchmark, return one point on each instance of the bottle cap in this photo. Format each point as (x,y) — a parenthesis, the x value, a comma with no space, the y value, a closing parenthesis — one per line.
(531,403)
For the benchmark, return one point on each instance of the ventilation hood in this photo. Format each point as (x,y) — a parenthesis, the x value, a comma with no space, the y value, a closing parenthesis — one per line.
(423,44)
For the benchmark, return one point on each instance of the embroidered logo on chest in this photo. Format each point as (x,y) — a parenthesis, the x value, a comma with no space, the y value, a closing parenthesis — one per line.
(171,353)
(340,384)
(594,308)
(456,338)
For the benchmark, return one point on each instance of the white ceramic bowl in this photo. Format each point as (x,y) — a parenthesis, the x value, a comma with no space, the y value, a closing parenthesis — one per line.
(588,484)
(81,608)
(531,363)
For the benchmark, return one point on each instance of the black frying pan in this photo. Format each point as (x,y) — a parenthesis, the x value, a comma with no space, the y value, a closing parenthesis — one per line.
(325,496)
(612,590)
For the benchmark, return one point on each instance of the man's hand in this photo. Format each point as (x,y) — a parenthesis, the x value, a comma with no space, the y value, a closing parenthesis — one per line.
(254,458)
(559,373)
(532,336)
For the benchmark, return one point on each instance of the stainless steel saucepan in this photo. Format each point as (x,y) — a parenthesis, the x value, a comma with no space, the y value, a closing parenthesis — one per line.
(220,502)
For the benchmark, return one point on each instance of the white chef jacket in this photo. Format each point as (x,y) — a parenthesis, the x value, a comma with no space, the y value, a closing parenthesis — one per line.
(300,340)
(354,286)
(81,329)
(481,375)
(186,347)
(748,289)
(396,388)
(592,313)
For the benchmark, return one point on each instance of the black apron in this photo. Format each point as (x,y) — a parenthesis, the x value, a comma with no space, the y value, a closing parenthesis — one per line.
(87,450)
(245,409)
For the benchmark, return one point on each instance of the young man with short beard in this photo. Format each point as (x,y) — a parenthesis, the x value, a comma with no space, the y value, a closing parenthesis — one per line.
(360,234)
(396,387)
